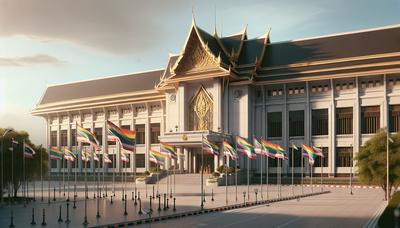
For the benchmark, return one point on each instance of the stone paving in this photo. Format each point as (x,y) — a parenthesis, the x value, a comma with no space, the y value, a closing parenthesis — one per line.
(187,198)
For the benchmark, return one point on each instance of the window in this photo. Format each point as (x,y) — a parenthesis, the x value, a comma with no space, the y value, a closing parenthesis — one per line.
(53,138)
(112,157)
(394,118)
(296,155)
(63,138)
(296,123)
(274,124)
(155,132)
(344,156)
(140,134)
(98,132)
(73,137)
(324,159)
(53,164)
(344,121)
(370,119)
(272,162)
(320,122)
(140,160)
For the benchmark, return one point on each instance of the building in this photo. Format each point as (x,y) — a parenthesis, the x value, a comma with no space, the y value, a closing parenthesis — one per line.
(333,92)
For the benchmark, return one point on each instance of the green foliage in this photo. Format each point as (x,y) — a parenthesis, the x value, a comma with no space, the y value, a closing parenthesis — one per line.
(225,169)
(371,161)
(387,218)
(32,166)
(146,173)
(215,174)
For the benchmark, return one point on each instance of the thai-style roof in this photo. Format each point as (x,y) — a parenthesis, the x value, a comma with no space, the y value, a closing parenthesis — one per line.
(101,87)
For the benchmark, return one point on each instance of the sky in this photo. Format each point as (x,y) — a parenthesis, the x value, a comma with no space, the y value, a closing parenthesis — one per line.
(47,42)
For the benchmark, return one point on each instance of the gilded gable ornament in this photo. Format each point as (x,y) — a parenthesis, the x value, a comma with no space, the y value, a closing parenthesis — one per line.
(201,111)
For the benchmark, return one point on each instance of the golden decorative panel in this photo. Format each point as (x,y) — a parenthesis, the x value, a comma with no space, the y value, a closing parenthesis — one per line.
(195,57)
(201,111)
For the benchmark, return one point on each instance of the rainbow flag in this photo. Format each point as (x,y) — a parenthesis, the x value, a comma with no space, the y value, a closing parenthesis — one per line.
(156,157)
(210,147)
(95,157)
(107,159)
(126,137)
(68,155)
(86,155)
(245,147)
(55,154)
(124,156)
(274,150)
(257,146)
(28,151)
(318,151)
(86,136)
(309,153)
(229,151)
(168,150)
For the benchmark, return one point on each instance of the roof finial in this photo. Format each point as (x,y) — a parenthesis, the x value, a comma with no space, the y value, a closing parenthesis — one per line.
(215,21)
(193,17)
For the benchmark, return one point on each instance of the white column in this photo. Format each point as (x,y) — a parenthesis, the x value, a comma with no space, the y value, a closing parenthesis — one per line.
(186,162)
(357,119)
(332,132)
(217,115)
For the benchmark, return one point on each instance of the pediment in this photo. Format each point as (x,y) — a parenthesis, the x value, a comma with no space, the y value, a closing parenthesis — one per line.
(195,56)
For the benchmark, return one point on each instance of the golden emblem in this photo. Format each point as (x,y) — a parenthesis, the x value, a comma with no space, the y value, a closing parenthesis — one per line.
(184,137)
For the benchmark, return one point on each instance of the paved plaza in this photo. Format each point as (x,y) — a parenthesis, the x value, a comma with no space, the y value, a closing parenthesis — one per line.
(332,209)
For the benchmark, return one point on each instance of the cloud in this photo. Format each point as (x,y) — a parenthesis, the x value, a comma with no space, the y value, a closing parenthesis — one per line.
(119,27)
(29,60)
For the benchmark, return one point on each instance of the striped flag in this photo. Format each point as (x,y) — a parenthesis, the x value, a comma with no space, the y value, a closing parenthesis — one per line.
(309,153)
(156,157)
(68,155)
(245,147)
(257,146)
(86,136)
(229,151)
(95,157)
(55,154)
(86,155)
(210,147)
(274,149)
(124,156)
(126,137)
(168,150)
(318,151)
(107,159)
(28,151)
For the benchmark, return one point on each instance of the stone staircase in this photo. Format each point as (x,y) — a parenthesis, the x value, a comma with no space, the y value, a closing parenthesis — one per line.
(187,179)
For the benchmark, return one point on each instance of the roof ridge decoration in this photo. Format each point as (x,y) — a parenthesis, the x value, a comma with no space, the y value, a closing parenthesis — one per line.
(267,41)
(210,59)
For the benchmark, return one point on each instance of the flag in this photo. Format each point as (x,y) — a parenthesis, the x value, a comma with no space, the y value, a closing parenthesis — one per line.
(156,157)
(95,157)
(210,147)
(257,146)
(106,159)
(245,147)
(294,146)
(55,154)
(126,137)
(68,155)
(86,136)
(318,151)
(309,153)
(86,155)
(124,156)
(270,148)
(229,150)
(168,150)
(28,151)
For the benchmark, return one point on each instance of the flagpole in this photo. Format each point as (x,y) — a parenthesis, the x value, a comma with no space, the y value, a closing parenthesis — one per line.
(311,171)
(236,187)
(267,167)
(48,150)
(12,170)
(158,178)
(302,172)
(248,178)
(68,169)
(41,170)
(23,164)
(292,171)
(226,180)
(277,175)
(261,179)
(63,171)
(322,171)
(59,181)
(86,191)
(76,154)
(201,179)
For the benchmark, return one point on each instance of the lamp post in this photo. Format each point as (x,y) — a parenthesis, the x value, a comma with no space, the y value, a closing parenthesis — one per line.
(2,162)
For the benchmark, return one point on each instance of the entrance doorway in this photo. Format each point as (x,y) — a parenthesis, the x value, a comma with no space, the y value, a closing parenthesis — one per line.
(208,162)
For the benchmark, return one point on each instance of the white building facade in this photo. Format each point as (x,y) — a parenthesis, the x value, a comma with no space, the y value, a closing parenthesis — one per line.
(332,92)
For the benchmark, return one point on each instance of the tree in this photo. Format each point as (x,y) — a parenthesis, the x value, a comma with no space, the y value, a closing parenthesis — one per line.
(371,161)
(32,166)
